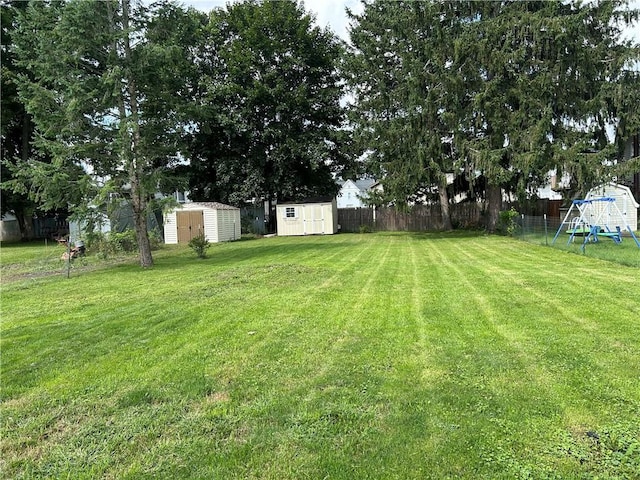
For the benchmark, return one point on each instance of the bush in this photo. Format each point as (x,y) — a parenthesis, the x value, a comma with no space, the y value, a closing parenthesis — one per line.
(124,241)
(95,241)
(365,229)
(114,243)
(507,224)
(155,239)
(200,244)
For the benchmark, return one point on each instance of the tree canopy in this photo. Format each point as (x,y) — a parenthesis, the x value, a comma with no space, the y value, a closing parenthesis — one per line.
(270,114)
(106,84)
(506,90)
(125,98)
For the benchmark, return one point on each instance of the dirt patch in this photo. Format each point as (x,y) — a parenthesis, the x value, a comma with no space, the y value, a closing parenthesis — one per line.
(218,397)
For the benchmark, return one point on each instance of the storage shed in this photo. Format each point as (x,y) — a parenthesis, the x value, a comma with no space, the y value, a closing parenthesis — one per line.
(219,222)
(624,201)
(309,217)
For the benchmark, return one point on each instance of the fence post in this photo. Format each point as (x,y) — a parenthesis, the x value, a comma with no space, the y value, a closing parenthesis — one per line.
(523,227)
(69,256)
(546,231)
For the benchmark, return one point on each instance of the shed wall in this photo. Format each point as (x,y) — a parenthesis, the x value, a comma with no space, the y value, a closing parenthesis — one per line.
(9,231)
(310,219)
(210,220)
(228,225)
(624,201)
(170,228)
(220,225)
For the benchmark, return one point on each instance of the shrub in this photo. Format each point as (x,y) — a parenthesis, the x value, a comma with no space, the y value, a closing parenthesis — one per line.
(365,229)
(112,243)
(95,241)
(155,239)
(123,241)
(200,244)
(507,223)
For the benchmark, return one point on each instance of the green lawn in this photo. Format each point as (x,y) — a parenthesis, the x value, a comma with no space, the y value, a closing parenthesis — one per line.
(343,357)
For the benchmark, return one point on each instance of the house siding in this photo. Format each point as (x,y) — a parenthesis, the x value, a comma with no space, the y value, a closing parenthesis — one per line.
(351,195)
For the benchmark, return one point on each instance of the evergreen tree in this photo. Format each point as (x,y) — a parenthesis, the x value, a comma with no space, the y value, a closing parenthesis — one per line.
(506,90)
(541,81)
(106,83)
(16,129)
(408,96)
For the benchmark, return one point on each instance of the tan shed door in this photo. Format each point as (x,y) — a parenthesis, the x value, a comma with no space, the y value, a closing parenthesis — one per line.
(190,224)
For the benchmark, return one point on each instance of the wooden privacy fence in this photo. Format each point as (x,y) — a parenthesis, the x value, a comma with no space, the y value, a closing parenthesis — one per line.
(420,218)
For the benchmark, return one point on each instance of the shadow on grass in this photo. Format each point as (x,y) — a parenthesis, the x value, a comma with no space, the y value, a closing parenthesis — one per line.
(291,249)
(443,235)
(278,249)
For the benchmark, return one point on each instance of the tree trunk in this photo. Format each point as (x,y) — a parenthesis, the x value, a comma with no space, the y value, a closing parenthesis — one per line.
(25,223)
(23,213)
(142,237)
(494,204)
(136,171)
(444,204)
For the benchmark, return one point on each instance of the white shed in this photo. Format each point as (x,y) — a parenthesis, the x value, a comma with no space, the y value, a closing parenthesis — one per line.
(313,216)
(219,222)
(624,201)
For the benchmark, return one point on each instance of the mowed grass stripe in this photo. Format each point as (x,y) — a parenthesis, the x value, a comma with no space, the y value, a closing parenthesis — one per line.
(514,331)
(353,356)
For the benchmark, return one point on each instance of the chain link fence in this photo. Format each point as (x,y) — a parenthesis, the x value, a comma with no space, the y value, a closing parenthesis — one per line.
(543,230)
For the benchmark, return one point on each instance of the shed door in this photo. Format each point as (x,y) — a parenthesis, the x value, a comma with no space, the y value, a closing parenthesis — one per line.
(317,219)
(190,224)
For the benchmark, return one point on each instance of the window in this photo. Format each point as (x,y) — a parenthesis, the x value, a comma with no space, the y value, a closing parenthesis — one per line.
(290,212)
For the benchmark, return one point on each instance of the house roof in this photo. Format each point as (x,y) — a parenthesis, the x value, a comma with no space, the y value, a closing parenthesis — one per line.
(362,184)
(215,205)
(365,183)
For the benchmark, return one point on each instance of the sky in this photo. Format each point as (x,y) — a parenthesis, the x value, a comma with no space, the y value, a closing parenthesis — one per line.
(328,13)
(331,13)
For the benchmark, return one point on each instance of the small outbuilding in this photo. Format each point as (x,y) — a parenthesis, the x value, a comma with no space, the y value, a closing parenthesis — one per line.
(316,216)
(219,222)
(627,206)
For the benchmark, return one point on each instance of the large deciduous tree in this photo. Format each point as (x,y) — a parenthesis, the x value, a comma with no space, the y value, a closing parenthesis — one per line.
(106,83)
(270,109)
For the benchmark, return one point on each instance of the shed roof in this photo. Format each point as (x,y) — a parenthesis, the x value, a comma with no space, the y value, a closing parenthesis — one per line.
(215,205)
(326,199)
(601,189)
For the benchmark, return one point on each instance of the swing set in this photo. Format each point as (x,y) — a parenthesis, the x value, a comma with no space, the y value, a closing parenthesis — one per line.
(594,218)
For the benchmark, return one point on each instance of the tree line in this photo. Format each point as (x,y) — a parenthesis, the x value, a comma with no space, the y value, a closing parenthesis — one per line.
(121,99)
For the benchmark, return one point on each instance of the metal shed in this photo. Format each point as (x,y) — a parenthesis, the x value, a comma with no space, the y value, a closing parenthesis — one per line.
(310,217)
(219,222)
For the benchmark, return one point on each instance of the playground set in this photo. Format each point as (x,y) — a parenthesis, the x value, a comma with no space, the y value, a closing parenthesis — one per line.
(593,219)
